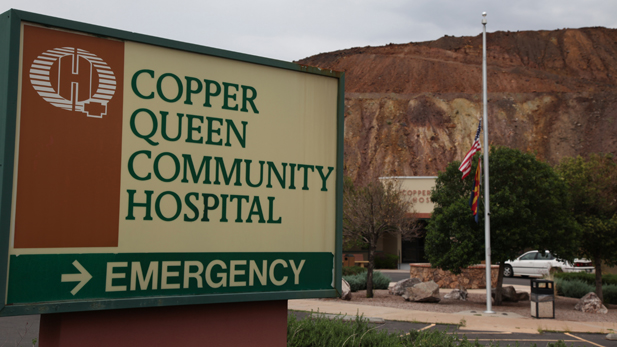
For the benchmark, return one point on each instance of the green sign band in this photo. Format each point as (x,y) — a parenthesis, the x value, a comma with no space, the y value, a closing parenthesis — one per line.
(60,277)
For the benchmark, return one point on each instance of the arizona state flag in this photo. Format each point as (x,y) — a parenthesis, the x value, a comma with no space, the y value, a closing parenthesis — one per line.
(475,194)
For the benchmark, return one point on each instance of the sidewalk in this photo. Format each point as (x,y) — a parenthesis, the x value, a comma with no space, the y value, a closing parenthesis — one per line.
(470,320)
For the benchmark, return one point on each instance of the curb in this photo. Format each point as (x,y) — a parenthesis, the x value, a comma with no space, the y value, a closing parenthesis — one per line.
(346,318)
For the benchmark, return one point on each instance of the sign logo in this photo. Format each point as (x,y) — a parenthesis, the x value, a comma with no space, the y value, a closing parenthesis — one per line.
(73,79)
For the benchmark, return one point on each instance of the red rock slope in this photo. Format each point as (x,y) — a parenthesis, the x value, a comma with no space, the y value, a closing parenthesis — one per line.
(412,108)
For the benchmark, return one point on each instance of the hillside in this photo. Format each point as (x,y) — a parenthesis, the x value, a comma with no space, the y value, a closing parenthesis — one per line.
(410,109)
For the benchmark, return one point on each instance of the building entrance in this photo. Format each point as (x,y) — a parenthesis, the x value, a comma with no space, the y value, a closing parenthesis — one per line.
(413,251)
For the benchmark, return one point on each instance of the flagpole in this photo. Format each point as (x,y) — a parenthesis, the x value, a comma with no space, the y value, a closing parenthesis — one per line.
(487,213)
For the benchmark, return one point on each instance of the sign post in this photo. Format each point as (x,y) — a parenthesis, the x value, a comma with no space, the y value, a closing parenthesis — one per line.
(141,172)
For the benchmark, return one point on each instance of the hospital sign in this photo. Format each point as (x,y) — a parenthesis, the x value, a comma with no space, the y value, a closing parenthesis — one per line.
(141,171)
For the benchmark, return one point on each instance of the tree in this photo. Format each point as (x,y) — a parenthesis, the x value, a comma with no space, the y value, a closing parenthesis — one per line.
(593,187)
(528,205)
(372,210)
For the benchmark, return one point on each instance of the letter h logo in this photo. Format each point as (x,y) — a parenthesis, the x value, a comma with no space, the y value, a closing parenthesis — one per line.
(73,79)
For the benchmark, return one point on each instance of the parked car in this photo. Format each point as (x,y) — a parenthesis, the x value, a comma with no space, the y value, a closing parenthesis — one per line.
(537,264)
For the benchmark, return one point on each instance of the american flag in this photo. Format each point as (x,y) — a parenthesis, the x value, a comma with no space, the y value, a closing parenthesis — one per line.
(465,167)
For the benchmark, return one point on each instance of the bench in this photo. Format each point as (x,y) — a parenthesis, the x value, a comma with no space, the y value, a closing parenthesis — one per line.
(359,260)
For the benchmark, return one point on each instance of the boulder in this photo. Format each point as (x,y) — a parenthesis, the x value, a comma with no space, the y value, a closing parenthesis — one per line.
(524,296)
(391,287)
(508,293)
(400,286)
(345,291)
(457,294)
(423,292)
(590,303)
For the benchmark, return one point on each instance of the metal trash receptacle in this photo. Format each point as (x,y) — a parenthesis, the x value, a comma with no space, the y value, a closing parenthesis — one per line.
(542,299)
(349,260)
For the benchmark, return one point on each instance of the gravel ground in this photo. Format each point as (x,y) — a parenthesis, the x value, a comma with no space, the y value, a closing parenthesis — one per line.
(564,307)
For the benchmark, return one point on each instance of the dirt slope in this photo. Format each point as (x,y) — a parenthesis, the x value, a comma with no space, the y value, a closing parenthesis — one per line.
(412,108)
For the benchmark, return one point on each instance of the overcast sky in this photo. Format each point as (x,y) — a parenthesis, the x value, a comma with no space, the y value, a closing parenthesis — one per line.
(291,30)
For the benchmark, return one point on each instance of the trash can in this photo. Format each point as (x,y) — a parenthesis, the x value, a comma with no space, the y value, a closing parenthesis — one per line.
(349,260)
(542,299)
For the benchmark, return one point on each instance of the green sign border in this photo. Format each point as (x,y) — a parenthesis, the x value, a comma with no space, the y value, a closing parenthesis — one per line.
(10,31)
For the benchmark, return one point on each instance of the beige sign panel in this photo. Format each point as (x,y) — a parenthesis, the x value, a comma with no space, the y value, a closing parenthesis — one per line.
(418,189)
(244,149)
(217,155)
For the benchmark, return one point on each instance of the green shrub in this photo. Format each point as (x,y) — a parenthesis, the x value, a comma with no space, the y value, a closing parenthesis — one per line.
(609,292)
(578,289)
(386,261)
(609,279)
(586,277)
(319,331)
(358,281)
(578,276)
(380,281)
(573,288)
(353,270)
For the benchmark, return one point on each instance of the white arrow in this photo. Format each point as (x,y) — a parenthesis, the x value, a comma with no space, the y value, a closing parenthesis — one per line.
(82,277)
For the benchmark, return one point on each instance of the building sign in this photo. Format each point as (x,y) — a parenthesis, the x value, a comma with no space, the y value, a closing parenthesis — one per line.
(139,171)
(418,189)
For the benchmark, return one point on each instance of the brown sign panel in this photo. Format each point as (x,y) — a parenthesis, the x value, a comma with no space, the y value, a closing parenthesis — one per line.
(70,140)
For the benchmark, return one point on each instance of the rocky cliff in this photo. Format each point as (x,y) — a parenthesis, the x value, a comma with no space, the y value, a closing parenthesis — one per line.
(410,109)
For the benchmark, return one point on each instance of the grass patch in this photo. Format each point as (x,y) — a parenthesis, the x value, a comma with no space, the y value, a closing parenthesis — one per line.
(320,331)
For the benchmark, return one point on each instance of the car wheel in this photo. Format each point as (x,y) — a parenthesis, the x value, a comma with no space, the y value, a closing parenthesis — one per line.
(555,270)
(507,271)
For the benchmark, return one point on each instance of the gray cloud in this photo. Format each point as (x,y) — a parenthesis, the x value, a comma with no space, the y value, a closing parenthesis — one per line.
(291,30)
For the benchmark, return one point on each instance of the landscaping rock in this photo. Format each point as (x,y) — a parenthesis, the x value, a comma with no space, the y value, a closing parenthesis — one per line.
(423,292)
(391,287)
(590,303)
(473,277)
(345,291)
(508,293)
(457,294)
(400,286)
(524,296)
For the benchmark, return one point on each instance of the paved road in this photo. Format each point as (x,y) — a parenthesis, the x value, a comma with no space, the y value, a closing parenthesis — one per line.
(398,275)
(485,338)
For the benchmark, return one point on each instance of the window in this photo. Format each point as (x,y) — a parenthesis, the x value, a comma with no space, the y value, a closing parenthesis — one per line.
(529,256)
(545,256)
